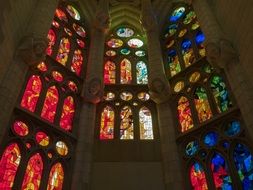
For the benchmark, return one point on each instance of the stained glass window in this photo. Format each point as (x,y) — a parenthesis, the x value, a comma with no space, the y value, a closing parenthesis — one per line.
(184,114)
(202,104)
(107,124)
(141,73)
(63,52)
(67,115)
(50,104)
(56,176)
(125,72)
(33,173)
(145,123)
(109,73)
(221,176)
(77,62)
(32,93)
(126,123)
(9,164)
(198,177)
(187,52)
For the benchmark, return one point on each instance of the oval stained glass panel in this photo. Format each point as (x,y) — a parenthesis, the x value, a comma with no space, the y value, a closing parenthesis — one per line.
(20,128)
(125,32)
(126,96)
(191,148)
(73,12)
(232,128)
(114,43)
(135,43)
(211,139)
(79,30)
(140,53)
(42,138)
(177,14)
(61,148)
(143,96)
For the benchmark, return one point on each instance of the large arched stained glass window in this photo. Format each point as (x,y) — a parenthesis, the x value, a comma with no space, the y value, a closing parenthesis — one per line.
(9,164)
(107,123)
(56,176)
(198,177)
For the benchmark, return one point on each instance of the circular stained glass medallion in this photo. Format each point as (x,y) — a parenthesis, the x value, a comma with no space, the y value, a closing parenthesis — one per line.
(177,14)
(179,86)
(194,77)
(42,138)
(109,96)
(73,12)
(140,53)
(126,96)
(110,53)
(125,32)
(211,139)
(20,128)
(135,43)
(61,148)
(143,96)
(191,148)
(125,51)
(79,30)
(115,43)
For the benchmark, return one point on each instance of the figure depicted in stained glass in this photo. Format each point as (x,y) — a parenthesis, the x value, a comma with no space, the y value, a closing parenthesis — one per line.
(33,173)
(63,52)
(126,124)
(198,177)
(32,93)
(50,104)
(173,63)
(77,61)
(51,36)
(184,114)
(202,104)
(141,73)
(9,164)
(187,52)
(109,73)
(67,115)
(145,123)
(56,176)
(107,124)
(220,94)
(125,72)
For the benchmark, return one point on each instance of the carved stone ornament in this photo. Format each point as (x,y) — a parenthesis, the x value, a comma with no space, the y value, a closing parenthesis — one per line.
(32,50)
(159,90)
(93,91)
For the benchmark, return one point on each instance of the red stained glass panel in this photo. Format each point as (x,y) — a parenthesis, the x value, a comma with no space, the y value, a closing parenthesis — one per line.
(8,166)
(50,104)
(77,62)
(32,93)
(33,173)
(56,177)
(67,115)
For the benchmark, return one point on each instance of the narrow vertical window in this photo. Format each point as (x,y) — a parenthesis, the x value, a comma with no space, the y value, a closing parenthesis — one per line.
(173,63)
(187,52)
(221,177)
(126,123)
(107,124)
(50,104)
(145,123)
(198,177)
(67,115)
(56,177)
(51,36)
(141,73)
(220,94)
(33,173)
(125,72)
(202,104)
(9,165)
(63,52)
(32,93)
(184,114)
(109,73)
(77,62)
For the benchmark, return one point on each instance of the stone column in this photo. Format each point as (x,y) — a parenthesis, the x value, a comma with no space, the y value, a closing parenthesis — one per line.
(222,54)
(30,51)
(160,93)
(92,94)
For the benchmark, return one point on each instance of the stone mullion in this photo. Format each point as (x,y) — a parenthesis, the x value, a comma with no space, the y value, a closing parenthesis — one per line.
(31,50)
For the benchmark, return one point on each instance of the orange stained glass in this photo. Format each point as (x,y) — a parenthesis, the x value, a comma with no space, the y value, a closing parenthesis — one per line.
(33,173)
(32,93)
(109,73)
(67,115)
(51,36)
(125,72)
(202,104)
(56,177)
(20,128)
(63,52)
(77,62)
(184,114)
(8,166)
(107,123)
(126,123)
(50,104)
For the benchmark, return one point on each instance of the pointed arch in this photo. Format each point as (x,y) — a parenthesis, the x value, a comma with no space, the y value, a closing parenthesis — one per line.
(109,73)
(33,173)
(63,52)
(51,36)
(9,164)
(77,62)
(56,177)
(141,73)
(125,72)
(68,112)
(220,172)
(184,114)
(32,93)
(107,123)
(202,104)
(126,123)
(145,123)
(187,52)
(50,104)
(198,177)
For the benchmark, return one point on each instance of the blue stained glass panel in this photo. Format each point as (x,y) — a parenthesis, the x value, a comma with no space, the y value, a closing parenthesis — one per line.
(211,139)
(233,128)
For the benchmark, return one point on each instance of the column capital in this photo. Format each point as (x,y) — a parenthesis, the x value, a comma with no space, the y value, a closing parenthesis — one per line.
(93,90)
